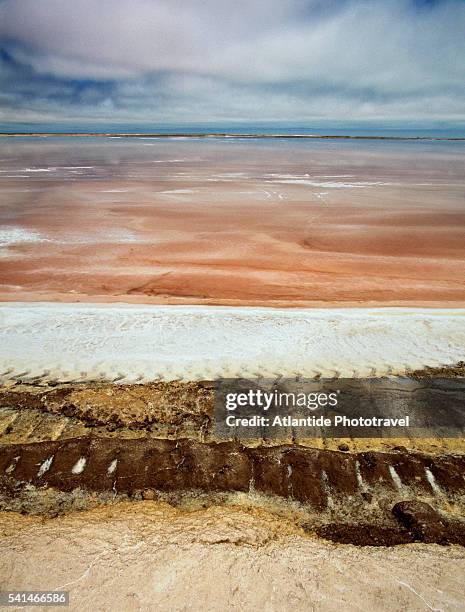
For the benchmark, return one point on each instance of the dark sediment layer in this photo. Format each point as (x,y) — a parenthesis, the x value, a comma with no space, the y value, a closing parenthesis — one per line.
(454,371)
(307,475)
(72,446)
(368,484)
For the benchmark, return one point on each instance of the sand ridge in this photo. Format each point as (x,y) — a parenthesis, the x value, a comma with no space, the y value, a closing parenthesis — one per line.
(135,343)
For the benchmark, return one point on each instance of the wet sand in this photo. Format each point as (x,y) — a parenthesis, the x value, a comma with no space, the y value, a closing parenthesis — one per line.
(232,222)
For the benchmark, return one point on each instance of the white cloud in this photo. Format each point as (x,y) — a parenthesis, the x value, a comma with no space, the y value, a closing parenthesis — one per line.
(275,57)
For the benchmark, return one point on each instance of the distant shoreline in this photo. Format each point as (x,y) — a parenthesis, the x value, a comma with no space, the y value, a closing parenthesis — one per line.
(216,135)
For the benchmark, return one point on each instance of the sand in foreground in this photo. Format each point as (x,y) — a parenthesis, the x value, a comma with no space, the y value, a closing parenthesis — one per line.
(149,556)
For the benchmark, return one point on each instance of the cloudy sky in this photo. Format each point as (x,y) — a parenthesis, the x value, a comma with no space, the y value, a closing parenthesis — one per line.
(232,60)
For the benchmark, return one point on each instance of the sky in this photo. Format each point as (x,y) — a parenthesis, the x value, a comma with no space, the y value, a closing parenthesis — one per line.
(188,61)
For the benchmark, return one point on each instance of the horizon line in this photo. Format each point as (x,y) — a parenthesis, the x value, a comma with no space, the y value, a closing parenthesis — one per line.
(222,135)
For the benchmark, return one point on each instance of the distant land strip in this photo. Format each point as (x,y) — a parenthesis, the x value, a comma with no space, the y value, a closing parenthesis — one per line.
(218,135)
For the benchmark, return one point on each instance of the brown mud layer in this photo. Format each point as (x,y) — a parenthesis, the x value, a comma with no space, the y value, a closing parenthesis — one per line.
(76,446)
(402,497)
(455,371)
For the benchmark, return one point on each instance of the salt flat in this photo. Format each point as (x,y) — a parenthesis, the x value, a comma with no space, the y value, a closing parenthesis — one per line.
(233,223)
(130,343)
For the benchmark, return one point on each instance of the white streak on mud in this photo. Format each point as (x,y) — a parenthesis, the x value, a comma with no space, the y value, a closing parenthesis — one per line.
(79,466)
(45,466)
(112,466)
(18,235)
(12,466)
(395,478)
(358,475)
(432,481)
